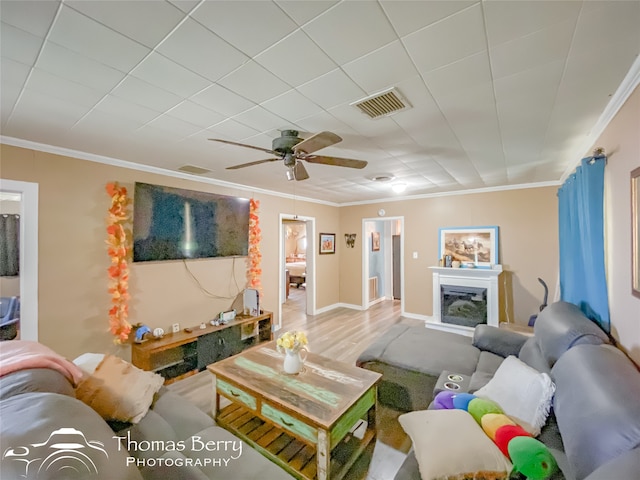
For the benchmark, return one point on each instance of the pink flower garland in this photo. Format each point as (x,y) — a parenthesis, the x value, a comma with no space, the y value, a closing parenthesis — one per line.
(255,257)
(118,272)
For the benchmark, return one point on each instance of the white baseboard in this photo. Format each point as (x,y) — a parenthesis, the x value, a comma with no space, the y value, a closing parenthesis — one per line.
(338,305)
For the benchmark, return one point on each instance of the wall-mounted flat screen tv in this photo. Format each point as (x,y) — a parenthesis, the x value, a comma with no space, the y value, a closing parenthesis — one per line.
(173,224)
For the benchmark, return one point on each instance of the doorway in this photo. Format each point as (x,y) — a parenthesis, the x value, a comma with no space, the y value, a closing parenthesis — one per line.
(28,281)
(382,260)
(297,278)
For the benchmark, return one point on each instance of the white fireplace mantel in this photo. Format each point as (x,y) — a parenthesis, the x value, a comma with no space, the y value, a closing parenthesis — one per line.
(466,277)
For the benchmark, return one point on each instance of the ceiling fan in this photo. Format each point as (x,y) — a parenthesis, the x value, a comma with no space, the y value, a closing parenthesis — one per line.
(291,149)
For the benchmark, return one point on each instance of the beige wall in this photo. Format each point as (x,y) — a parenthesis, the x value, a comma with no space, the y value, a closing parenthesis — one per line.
(73,298)
(528,244)
(621,141)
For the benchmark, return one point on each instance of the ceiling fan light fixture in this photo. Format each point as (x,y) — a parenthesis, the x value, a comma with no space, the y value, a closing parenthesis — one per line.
(290,174)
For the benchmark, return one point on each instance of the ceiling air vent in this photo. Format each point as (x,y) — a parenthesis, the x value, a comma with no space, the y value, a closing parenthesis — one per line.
(193,169)
(381,104)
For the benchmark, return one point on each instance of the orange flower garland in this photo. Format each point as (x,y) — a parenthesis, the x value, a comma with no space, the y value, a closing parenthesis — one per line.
(118,272)
(255,257)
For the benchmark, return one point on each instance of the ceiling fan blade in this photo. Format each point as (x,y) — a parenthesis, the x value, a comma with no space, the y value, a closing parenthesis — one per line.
(299,172)
(243,145)
(336,161)
(250,164)
(316,142)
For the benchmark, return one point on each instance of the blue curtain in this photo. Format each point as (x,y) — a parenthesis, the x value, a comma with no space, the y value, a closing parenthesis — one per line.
(583,279)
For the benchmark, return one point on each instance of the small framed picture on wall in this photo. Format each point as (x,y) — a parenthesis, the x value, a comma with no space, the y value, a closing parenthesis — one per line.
(327,243)
(375,241)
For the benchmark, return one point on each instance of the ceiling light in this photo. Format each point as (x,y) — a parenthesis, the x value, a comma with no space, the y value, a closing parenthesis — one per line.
(383,177)
(399,187)
(290,174)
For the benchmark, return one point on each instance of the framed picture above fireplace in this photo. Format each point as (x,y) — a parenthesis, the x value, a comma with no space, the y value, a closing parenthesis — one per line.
(471,246)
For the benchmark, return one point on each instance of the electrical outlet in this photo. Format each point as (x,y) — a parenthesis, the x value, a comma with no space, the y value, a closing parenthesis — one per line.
(176,327)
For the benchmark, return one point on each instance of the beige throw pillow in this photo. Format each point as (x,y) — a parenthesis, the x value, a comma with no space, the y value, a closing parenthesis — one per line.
(119,391)
(450,445)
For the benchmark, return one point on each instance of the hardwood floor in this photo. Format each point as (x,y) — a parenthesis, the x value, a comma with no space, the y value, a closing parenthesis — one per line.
(341,334)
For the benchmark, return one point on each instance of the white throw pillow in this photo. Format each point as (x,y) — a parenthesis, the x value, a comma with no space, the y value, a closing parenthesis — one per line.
(449,444)
(523,393)
(88,362)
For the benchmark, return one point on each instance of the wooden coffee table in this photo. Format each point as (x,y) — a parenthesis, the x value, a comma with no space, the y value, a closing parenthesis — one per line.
(305,423)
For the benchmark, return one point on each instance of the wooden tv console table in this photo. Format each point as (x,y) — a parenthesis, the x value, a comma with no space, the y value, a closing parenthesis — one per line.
(178,355)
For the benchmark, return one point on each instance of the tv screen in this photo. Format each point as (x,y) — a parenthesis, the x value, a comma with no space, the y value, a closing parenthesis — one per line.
(173,224)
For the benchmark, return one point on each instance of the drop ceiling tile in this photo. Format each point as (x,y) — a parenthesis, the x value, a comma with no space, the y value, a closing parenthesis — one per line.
(350,30)
(222,100)
(292,106)
(88,37)
(185,5)
(174,125)
(619,20)
(158,18)
(47,84)
(460,75)
(296,59)
(142,93)
(253,82)
(67,64)
(19,45)
(537,86)
(246,32)
(231,130)
(34,17)
(382,68)
(168,75)
(104,127)
(195,114)
(507,21)
(325,121)
(13,74)
(260,119)
(532,51)
(441,43)
(52,112)
(201,51)
(121,108)
(407,17)
(302,12)
(331,89)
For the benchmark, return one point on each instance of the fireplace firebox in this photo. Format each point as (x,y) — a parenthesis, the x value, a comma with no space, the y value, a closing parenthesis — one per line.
(461,305)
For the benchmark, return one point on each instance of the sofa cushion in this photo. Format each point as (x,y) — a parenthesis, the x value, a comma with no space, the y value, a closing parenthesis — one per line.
(522,392)
(424,350)
(185,422)
(32,422)
(449,444)
(35,380)
(532,355)
(561,326)
(489,362)
(596,405)
(496,340)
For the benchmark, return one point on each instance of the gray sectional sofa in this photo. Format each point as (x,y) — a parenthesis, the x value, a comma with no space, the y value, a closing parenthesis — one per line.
(594,428)
(175,440)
